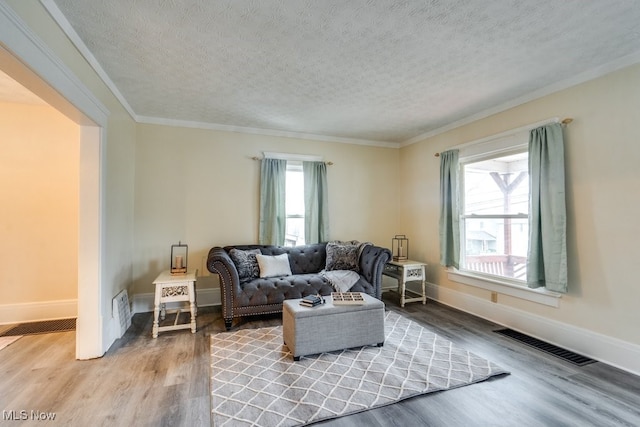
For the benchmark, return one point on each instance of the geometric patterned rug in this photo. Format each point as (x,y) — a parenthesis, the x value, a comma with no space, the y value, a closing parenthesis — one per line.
(255,382)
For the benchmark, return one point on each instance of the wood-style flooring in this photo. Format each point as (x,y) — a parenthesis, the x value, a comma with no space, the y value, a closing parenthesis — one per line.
(143,381)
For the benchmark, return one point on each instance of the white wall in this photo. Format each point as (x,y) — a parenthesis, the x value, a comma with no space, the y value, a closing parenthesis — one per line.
(602,157)
(39,152)
(201,187)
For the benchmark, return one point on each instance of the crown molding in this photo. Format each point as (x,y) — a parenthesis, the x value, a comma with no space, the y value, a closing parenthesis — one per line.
(66,27)
(594,73)
(583,77)
(265,132)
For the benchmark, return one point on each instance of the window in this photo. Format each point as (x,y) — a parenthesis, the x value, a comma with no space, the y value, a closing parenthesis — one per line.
(491,243)
(494,219)
(294,229)
(293,200)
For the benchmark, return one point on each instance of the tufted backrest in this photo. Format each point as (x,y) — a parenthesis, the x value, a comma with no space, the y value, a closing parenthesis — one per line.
(304,259)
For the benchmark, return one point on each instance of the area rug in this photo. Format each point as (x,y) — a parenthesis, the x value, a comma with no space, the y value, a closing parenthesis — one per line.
(255,382)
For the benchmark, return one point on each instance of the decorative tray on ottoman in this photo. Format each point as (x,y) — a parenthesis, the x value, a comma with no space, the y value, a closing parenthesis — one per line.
(347,298)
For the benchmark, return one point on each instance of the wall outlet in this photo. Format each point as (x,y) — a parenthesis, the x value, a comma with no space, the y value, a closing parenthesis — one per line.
(494,297)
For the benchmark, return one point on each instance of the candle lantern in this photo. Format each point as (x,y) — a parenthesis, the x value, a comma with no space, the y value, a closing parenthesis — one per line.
(179,254)
(400,247)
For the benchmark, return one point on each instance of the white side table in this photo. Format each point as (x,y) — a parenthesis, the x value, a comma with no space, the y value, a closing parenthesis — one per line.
(407,271)
(174,288)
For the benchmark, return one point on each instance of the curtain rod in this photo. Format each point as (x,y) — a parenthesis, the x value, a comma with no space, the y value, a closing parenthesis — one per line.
(512,131)
(292,157)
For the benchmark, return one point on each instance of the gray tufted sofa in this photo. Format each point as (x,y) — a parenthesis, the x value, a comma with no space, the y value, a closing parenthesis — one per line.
(265,295)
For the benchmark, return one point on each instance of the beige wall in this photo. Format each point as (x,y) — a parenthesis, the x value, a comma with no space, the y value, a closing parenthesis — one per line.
(202,187)
(602,163)
(117,154)
(39,151)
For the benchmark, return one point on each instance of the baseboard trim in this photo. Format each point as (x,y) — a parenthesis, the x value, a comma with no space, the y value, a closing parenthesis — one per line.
(143,303)
(612,351)
(37,311)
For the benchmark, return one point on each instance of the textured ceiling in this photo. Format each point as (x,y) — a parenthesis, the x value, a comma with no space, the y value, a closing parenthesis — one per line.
(360,69)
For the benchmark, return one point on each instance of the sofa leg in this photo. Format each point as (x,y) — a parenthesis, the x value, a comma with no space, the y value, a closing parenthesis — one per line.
(380,344)
(227,323)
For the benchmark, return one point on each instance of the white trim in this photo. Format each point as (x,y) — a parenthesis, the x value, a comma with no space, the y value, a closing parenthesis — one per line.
(612,351)
(143,303)
(37,311)
(92,335)
(505,134)
(27,46)
(540,296)
(264,132)
(292,157)
(583,77)
(64,24)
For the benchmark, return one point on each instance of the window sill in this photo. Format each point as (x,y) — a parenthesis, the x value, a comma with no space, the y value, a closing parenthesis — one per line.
(540,296)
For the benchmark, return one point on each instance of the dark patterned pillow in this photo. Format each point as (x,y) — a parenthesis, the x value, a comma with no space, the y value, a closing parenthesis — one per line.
(342,256)
(246,263)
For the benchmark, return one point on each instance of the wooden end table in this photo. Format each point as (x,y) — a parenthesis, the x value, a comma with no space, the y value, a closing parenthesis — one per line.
(174,288)
(407,271)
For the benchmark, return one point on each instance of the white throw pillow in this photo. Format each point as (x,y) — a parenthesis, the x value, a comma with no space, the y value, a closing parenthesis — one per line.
(273,266)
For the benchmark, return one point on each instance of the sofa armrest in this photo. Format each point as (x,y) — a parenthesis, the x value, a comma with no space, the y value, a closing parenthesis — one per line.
(372,262)
(220,263)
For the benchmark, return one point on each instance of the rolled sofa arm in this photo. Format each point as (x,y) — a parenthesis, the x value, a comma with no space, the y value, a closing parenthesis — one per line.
(372,262)
(220,263)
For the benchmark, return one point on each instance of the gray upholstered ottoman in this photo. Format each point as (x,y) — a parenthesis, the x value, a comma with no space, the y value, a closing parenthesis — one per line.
(312,330)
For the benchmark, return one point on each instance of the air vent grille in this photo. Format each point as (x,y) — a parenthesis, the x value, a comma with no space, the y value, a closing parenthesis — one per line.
(554,350)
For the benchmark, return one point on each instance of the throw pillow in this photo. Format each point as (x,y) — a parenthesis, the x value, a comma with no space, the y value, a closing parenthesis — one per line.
(342,256)
(246,263)
(274,266)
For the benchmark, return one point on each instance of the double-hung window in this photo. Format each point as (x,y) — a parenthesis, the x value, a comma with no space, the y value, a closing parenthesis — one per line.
(494,200)
(493,211)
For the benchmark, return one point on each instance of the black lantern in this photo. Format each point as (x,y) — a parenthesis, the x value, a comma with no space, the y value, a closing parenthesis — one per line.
(400,247)
(179,254)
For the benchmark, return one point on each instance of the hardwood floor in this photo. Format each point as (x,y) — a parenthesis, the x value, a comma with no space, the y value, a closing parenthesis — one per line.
(143,381)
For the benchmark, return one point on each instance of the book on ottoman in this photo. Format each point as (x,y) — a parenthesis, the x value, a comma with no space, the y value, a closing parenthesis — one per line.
(311,301)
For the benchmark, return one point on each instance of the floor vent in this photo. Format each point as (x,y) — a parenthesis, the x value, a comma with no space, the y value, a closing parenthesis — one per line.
(122,312)
(44,327)
(563,354)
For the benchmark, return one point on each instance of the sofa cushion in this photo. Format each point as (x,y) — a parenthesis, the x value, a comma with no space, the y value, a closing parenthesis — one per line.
(246,263)
(274,290)
(305,259)
(342,256)
(274,266)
